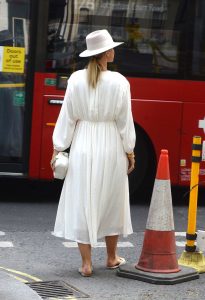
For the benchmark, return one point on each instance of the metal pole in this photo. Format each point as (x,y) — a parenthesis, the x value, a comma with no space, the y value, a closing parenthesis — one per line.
(191,228)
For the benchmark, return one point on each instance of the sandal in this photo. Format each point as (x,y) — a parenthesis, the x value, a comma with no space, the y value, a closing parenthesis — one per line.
(85,274)
(121,262)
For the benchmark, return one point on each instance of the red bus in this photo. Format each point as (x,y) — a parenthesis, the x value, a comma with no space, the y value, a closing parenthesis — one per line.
(163,58)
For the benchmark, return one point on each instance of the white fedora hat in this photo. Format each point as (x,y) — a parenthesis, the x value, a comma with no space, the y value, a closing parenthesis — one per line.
(98,42)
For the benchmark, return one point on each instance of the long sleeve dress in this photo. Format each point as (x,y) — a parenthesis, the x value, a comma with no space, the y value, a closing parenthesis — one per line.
(98,125)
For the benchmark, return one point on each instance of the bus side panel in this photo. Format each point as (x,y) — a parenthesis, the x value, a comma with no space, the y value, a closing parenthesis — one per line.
(161,120)
(50,115)
(167,89)
(192,114)
(37,117)
(44,84)
(155,89)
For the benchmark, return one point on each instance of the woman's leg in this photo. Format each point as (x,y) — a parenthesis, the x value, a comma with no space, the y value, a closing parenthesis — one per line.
(111,244)
(85,251)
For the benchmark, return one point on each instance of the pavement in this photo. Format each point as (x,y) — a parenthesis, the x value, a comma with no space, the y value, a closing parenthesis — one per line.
(13,289)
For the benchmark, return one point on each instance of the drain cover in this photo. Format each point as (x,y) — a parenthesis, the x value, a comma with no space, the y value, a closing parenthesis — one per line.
(56,289)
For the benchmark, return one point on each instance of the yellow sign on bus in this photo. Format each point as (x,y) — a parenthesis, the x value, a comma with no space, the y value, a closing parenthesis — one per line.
(12,59)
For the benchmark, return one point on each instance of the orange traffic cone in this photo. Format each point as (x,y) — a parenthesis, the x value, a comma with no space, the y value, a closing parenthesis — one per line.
(158,260)
(159,247)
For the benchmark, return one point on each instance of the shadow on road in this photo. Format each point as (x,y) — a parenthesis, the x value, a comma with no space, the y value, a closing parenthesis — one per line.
(25,190)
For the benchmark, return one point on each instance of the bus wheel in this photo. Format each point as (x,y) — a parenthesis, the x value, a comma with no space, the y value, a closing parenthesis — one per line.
(142,178)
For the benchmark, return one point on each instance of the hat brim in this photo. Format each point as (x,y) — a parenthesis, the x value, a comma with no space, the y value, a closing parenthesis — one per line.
(88,53)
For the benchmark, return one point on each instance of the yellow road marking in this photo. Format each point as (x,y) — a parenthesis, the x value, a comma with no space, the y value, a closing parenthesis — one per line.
(11,85)
(21,273)
(64,298)
(19,278)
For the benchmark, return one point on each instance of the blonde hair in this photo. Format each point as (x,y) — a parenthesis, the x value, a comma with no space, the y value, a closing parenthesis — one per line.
(94,70)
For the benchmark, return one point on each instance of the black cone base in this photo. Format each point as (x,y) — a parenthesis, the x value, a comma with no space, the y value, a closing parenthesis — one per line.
(186,274)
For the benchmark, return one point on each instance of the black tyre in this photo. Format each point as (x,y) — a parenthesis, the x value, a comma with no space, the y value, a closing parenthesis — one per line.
(142,178)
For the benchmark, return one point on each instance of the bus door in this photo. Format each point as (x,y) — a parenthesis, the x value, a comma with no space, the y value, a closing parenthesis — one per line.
(14,29)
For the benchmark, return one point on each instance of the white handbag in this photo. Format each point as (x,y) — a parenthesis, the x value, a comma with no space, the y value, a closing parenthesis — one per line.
(60,165)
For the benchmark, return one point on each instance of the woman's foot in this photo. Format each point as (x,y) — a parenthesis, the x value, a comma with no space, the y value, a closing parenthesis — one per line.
(114,264)
(86,271)
(85,251)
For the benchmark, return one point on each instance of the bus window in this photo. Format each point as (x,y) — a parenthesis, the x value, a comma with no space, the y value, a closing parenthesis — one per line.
(198,61)
(13,48)
(84,24)
(152,42)
(118,19)
(20,33)
(147,27)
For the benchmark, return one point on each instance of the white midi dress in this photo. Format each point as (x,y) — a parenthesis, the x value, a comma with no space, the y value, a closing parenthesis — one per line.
(98,125)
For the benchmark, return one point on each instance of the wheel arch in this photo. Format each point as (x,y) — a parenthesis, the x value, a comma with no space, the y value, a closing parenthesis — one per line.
(141,180)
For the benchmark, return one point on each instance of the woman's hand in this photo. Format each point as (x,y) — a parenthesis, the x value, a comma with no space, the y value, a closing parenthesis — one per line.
(52,162)
(131,159)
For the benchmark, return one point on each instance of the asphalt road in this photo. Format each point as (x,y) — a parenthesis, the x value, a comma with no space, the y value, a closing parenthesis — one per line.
(30,253)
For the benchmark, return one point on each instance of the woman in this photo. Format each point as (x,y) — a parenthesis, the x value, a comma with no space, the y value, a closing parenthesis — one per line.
(96,118)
